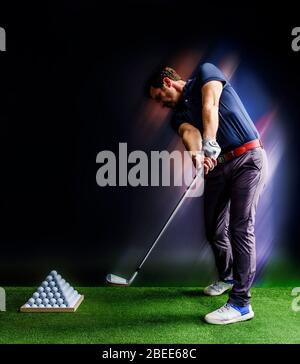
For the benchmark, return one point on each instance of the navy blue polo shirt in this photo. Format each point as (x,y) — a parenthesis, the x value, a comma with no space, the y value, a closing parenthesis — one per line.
(235,125)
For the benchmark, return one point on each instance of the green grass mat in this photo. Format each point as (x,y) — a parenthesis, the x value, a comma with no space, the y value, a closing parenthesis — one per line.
(150,315)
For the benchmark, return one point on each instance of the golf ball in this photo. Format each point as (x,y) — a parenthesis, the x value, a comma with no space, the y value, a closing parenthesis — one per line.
(58,277)
(47,289)
(45,301)
(34,305)
(55,306)
(52,284)
(63,281)
(62,306)
(41,305)
(54,289)
(49,278)
(31,301)
(41,289)
(36,295)
(50,295)
(52,301)
(48,306)
(45,284)
(60,301)
(27,305)
(38,301)
(43,295)
(54,273)
(57,295)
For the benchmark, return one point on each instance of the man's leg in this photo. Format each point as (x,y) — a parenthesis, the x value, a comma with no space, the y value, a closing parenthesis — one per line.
(248,175)
(216,214)
(248,179)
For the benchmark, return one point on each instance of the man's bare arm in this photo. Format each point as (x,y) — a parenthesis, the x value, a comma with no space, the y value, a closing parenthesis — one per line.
(191,137)
(211,93)
(192,140)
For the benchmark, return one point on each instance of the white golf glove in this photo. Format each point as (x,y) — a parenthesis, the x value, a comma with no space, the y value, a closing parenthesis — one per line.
(211,148)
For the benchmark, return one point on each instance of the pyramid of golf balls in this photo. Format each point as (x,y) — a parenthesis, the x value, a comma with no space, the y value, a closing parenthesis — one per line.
(54,292)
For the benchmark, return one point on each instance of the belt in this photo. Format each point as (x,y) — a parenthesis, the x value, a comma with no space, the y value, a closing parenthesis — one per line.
(240,150)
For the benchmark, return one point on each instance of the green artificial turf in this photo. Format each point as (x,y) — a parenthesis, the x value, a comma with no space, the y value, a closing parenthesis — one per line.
(150,315)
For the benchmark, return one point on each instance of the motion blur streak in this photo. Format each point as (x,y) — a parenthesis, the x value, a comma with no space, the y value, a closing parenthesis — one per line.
(267,223)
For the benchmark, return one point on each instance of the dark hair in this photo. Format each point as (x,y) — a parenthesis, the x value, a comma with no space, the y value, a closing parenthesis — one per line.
(156,79)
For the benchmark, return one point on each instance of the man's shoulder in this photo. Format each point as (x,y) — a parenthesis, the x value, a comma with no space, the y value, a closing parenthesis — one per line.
(208,71)
(207,66)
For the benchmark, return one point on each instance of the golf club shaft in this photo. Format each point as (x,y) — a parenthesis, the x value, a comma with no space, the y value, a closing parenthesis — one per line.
(164,227)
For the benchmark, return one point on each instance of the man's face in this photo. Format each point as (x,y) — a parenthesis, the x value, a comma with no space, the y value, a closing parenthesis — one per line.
(167,95)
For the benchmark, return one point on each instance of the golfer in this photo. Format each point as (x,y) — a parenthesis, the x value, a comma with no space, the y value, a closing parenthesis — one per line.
(210,117)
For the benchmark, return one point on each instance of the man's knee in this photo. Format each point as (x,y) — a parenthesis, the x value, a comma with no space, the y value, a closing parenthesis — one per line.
(218,237)
(241,227)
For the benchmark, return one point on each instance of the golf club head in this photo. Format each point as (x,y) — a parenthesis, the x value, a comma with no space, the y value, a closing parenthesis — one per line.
(116,280)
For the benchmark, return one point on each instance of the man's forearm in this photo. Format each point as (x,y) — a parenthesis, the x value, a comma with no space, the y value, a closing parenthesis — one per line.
(192,140)
(210,119)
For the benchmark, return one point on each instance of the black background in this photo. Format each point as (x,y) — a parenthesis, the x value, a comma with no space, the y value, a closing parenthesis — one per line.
(71,81)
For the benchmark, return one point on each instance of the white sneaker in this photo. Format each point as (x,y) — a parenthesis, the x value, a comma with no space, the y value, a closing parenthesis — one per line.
(217,288)
(227,314)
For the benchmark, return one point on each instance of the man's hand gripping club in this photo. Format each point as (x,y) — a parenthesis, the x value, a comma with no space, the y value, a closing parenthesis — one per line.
(192,140)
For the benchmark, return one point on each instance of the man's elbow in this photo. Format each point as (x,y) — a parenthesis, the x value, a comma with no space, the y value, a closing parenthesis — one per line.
(210,109)
(189,134)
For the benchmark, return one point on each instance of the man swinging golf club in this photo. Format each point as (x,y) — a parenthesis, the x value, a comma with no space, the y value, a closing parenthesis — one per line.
(210,117)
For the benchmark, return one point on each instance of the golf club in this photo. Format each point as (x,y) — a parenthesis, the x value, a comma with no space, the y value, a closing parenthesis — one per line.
(119,281)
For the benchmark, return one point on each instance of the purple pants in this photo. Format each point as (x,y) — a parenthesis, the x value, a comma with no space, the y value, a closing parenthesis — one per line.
(231,195)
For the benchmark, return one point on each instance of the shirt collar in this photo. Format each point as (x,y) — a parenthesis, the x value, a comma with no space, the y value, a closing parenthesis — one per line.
(185,93)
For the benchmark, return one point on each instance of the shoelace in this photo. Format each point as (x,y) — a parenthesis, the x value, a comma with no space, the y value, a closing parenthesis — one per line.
(216,286)
(224,308)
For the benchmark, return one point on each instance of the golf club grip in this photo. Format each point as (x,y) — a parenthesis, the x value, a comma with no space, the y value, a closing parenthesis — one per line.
(168,222)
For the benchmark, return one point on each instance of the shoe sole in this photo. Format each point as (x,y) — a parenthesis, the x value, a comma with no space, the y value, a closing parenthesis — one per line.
(246,317)
(217,293)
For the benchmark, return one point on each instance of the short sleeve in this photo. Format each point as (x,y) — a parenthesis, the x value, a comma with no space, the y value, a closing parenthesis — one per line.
(208,72)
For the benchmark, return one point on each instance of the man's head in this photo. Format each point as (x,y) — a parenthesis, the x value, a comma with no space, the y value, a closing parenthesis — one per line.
(165,86)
